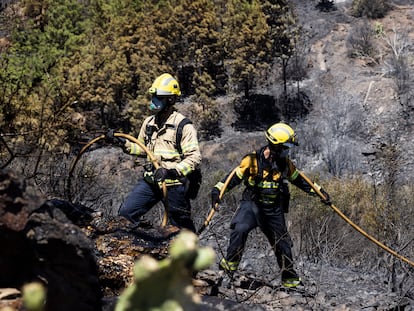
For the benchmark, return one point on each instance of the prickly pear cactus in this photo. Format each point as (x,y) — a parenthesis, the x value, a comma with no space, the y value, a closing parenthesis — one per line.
(34,296)
(166,284)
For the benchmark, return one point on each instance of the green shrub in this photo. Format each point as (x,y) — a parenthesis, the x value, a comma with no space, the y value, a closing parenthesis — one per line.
(370,8)
(321,234)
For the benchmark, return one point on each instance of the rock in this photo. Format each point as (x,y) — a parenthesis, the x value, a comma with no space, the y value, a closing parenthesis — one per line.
(39,243)
(86,260)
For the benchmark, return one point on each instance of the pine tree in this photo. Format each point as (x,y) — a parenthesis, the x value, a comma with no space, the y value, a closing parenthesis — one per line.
(246,44)
(283,31)
(48,34)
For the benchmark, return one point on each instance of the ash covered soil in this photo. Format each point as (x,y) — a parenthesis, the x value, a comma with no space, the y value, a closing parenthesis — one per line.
(86,261)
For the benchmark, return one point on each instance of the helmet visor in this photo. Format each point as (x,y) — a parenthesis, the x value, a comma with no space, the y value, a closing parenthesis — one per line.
(158,103)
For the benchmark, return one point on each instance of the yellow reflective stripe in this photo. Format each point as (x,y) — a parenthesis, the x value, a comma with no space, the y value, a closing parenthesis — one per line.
(171,181)
(294,175)
(135,149)
(266,201)
(229,265)
(166,152)
(189,147)
(184,168)
(219,185)
(149,176)
(270,196)
(251,182)
(264,184)
(267,198)
(268,185)
(239,173)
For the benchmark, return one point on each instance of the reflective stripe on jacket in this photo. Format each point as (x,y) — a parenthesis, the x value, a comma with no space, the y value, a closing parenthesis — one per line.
(161,142)
(267,185)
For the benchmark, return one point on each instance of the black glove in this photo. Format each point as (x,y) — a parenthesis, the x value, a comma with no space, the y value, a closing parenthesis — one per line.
(327,200)
(162,174)
(215,197)
(114,140)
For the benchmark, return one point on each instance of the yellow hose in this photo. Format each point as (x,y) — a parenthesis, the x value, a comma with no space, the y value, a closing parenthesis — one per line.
(148,152)
(213,210)
(90,143)
(73,164)
(356,227)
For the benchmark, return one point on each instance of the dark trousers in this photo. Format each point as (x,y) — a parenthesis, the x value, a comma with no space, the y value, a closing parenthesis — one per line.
(145,195)
(271,221)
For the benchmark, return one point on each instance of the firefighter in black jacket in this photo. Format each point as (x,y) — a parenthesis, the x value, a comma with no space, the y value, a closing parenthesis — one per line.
(266,174)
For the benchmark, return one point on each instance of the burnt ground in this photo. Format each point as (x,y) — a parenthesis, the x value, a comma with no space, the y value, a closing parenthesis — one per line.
(86,256)
(85,260)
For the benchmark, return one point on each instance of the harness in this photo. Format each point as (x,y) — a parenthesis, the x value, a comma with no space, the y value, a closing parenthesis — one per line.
(277,194)
(179,135)
(149,130)
(192,181)
(194,178)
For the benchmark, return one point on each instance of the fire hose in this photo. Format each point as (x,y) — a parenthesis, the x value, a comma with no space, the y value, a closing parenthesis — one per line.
(130,138)
(336,210)
(213,210)
(356,227)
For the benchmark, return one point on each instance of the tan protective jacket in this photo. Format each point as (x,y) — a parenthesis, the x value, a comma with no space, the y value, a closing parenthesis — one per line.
(163,145)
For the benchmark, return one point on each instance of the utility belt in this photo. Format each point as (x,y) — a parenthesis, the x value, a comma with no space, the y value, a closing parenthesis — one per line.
(274,197)
(149,170)
(266,199)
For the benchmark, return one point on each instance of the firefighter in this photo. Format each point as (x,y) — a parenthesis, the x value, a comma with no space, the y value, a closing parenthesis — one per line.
(176,159)
(266,174)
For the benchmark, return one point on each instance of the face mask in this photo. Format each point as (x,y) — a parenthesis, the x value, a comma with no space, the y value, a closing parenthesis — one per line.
(279,152)
(157,103)
(284,153)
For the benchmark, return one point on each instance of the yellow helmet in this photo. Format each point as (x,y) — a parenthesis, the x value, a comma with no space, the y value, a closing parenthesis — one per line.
(281,134)
(165,85)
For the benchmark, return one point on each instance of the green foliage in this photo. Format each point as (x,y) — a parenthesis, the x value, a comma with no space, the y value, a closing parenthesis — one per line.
(370,8)
(379,29)
(326,5)
(95,60)
(196,45)
(283,27)
(247,43)
(166,285)
(32,98)
(284,33)
(210,121)
(322,234)
(361,40)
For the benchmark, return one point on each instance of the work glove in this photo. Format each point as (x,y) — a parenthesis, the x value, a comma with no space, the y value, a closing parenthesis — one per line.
(115,140)
(215,198)
(162,174)
(327,200)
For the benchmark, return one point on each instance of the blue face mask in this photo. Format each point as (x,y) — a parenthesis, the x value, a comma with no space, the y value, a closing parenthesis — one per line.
(279,151)
(157,103)
(284,153)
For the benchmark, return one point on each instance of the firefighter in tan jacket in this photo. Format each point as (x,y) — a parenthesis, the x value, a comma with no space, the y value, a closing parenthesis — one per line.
(177,159)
